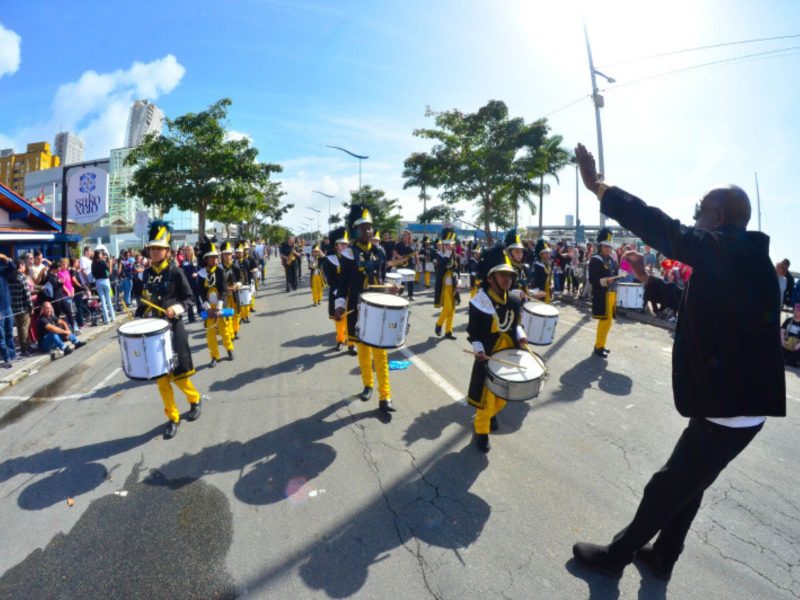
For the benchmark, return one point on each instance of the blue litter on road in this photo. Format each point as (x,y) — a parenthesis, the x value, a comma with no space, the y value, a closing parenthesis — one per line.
(398,365)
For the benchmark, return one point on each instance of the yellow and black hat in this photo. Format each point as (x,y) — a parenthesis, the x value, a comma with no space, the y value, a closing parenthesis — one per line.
(359,214)
(448,235)
(227,248)
(159,234)
(604,237)
(494,260)
(512,240)
(208,248)
(541,246)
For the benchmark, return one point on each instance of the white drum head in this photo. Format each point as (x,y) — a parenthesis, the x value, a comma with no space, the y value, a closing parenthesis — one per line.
(143,327)
(387,300)
(530,367)
(392,277)
(541,309)
(406,272)
(631,285)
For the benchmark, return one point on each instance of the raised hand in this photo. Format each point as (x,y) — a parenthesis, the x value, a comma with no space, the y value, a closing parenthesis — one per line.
(587,167)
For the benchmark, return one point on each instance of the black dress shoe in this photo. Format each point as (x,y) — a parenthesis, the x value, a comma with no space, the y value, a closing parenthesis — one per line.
(450,336)
(170,430)
(236,336)
(351,350)
(230,354)
(365,394)
(252,310)
(597,558)
(438,330)
(194,412)
(338,346)
(79,344)
(387,406)
(658,565)
(213,363)
(493,424)
(601,352)
(482,442)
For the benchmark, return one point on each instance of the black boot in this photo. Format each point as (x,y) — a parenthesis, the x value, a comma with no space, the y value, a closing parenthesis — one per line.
(338,346)
(482,442)
(601,352)
(366,393)
(213,363)
(493,425)
(386,406)
(438,330)
(658,565)
(351,350)
(194,411)
(599,559)
(230,354)
(450,336)
(170,430)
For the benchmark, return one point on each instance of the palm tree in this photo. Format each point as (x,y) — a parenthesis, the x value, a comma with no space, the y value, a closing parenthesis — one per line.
(419,171)
(549,160)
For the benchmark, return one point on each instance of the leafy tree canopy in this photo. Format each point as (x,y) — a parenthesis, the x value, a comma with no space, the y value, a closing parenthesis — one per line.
(383,209)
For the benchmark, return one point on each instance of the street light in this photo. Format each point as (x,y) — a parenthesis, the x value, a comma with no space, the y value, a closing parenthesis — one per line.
(328,196)
(359,157)
(316,211)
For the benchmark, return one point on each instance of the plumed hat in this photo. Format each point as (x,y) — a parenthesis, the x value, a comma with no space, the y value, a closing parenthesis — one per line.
(604,236)
(227,248)
(338,236)
(512,240)
(493,260)
(541,246)
(159,234)
(359,214)
(448,235)
(376,235)
(208,248)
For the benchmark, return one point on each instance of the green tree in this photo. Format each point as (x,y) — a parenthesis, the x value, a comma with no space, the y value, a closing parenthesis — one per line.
(334,219)
(274,233)
(420,171)
(440,212)
(477,156)
(195,167)
(550,158)
(380,207)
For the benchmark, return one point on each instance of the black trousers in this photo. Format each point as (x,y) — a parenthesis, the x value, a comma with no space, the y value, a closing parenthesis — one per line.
(673,495)
(291,277)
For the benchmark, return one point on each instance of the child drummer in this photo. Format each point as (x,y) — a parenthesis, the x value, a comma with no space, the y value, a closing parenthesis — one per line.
(212,288)
(494,325)
(166,286)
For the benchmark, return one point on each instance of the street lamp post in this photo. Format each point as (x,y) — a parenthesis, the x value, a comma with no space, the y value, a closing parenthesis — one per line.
(316,211)
(599,102)
(328,196)
(359,157)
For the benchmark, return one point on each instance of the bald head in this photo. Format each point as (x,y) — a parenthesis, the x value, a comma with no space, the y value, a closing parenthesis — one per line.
(727,205)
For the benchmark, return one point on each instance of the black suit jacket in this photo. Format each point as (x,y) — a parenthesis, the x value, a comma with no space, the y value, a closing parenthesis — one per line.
(726,359)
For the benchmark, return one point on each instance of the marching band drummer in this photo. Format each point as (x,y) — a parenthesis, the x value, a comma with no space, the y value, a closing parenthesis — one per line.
(233,282)
(516,252)
(445,292)
(250,264)
(315,275)
(244,272)
(473,265)
(426,257)
(542,272)
(332,269)
(360,267)
(405,257)
(602,275)
(165,285)
(212,287)
(494,325)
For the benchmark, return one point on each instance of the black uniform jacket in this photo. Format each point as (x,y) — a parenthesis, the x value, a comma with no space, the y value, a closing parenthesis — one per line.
(360,267)
(488,318)
(212,286)
(472,268)
(330,268)
(403,250)
(726,359)
(542,276)
(444,264)
(166,289)
(600,267)
(233,275)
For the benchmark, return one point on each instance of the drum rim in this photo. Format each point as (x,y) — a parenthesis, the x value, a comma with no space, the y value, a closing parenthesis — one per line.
(375,304)
(541,305)
(165,327)
(496,354)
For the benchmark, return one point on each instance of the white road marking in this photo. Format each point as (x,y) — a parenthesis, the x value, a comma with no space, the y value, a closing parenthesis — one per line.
(66,396)
(434,376)
(792,398)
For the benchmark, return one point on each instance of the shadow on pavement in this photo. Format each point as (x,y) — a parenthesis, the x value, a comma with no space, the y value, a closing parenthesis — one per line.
(600,587)
(296,365)
(430,424)
(582,375)
(77,471)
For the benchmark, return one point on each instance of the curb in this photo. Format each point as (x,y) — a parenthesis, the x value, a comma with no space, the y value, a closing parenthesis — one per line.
(631,314)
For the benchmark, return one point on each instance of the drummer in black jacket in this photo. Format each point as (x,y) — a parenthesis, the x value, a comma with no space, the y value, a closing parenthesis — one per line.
(603,271)
(445,294)
(727,370)
(360,267)
(331,267)
(542,272)
(166,286)
(494,325)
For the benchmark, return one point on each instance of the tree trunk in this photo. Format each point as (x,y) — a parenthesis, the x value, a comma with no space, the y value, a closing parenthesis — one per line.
(487,212)
(541,202)
(201,221)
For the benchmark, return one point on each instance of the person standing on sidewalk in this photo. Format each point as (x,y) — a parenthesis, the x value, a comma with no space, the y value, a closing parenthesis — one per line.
(21,304)
(101,273)
(727,366)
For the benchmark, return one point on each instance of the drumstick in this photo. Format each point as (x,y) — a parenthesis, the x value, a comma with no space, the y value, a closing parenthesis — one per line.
(497,360)
(383,285)
(537,358)
(151,305)
(127,310)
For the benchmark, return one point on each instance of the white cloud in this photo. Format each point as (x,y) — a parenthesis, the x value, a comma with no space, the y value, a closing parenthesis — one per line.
(96,105)
(9,51)
(233,135)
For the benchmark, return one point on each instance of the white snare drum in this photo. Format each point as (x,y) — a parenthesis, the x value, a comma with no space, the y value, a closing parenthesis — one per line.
(245,295)
(382,320)
(630,295)
(463,280)
(430,267)
(408,275)
(515,384)
(146,346)
(539,321)
(394,278)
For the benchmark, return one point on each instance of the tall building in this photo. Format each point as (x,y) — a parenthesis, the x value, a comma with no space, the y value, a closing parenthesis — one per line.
(122,206)
(14,167)
(144,118)
(69,147)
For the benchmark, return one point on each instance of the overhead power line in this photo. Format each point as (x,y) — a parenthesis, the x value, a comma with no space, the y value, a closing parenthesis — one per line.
(698,48)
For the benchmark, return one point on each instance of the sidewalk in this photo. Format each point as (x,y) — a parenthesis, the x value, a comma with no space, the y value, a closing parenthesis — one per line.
(24,367)
(627,313)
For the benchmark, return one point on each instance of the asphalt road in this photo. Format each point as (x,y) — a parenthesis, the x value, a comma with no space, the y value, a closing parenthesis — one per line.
(289,487)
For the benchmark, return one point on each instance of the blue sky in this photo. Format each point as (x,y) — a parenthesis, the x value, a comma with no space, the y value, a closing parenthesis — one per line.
(304,74)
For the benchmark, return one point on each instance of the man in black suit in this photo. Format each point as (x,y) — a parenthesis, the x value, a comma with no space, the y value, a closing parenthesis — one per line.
(727,371)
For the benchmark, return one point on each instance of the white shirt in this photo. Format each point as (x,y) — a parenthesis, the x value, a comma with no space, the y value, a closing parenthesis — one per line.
(86,266)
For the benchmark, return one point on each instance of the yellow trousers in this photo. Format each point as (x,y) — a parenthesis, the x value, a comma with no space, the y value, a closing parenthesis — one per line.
(214,327)
(185,385)
(368,354)
(427,279)
(233,322)
(416,277)
(491,406)
(448,309)
(316,288)
(604,325)
(341,330)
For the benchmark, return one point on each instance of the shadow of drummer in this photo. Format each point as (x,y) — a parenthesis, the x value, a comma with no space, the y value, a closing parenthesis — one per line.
(587,374)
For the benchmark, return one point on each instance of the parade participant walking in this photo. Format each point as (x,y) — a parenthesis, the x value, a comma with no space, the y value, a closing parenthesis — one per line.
(233,282)
(315,275)
(289,255)
(494,325)
(360,268)
(165,285)
(212,288)
(242,264)
(602,275)
(727,368)
(331,266)
(190,269)
(444,295)
(542,272)
(473,268)
(516,252)
(404,257)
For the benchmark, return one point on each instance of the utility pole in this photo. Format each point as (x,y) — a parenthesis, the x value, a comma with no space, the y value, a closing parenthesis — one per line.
(758,202)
